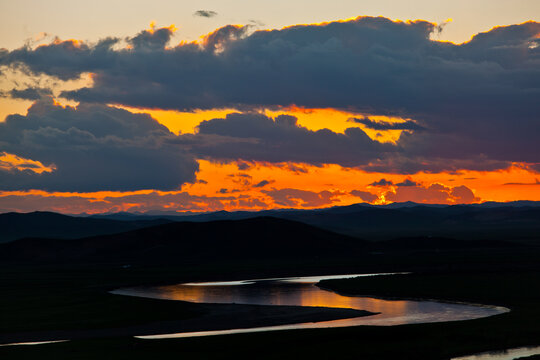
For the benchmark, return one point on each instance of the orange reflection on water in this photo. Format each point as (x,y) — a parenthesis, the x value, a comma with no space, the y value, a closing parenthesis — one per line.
(281,294)
(301,291)
(330,299)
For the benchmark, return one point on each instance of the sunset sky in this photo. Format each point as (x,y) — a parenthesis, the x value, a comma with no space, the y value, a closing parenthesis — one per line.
(239,105)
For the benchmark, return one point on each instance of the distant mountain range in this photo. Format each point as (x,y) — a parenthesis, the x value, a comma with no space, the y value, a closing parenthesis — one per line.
(518,220)
(174,215)
(191,242)
(490,220)
(225,241)
(52,225)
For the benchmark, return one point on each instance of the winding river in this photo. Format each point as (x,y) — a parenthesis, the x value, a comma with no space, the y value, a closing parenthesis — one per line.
(509,354)
(302,291)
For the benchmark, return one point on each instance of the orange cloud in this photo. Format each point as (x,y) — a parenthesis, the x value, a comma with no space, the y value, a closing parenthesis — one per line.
(172,28)
(69,42)
(433,194)
(12,162)
(297,198)
(287,185)
(312,188)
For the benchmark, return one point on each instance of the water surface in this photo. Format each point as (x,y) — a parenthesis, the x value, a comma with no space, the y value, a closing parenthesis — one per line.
(509,354)
(34,343)
(302,291)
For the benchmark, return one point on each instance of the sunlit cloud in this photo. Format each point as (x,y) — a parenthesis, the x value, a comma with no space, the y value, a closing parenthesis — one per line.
(309,115)
(11,162)
(432,194)
(316,187)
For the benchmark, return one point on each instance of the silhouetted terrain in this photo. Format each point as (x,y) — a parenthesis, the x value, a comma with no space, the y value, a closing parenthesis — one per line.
(489,221)
(502,221)
(262,237)
(225,240)
(52,225)
(462,222)
(58,288)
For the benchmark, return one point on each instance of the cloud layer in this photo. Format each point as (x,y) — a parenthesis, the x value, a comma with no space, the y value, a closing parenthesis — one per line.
(92,148)
(432,194)
(469,106)
(256,137)
(205,13)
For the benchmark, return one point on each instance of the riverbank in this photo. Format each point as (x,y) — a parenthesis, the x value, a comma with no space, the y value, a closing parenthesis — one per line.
(73,301)
(517,290)
(72,297)
(212,317)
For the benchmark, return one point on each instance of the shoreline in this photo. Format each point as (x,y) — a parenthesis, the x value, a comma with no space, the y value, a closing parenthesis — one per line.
(411,298)
(216,317)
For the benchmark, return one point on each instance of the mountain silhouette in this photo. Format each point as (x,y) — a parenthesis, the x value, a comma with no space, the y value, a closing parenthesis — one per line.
(52,225)
(257,238)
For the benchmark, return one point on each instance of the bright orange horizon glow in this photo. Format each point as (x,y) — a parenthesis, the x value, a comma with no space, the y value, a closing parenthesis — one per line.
(227,187)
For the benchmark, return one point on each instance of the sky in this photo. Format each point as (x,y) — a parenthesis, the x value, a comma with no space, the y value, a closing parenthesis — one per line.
(236,105)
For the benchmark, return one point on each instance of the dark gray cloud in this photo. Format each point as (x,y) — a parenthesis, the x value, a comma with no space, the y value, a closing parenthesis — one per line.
(256,22)
(477,101)
(92,147)
(382,182)
(151,41)
(205,13)
(29,93)
(263,183)
(254,136)
(364,195)
(407,162)
(384,125)
(535,183)
(407,182)
(97,147)
(242,165)
(241,175)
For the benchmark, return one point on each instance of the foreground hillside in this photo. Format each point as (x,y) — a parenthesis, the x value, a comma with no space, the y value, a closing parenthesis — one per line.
(71,301)
(59,289)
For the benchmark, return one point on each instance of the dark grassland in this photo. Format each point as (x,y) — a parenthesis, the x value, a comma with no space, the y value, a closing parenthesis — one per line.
(49,298)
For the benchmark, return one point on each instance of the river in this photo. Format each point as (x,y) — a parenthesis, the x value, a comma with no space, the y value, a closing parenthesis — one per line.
(302,291)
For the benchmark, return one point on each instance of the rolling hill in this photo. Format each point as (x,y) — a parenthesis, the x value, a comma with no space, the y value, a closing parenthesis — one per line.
(257,238)
(518,220)
(52,225)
